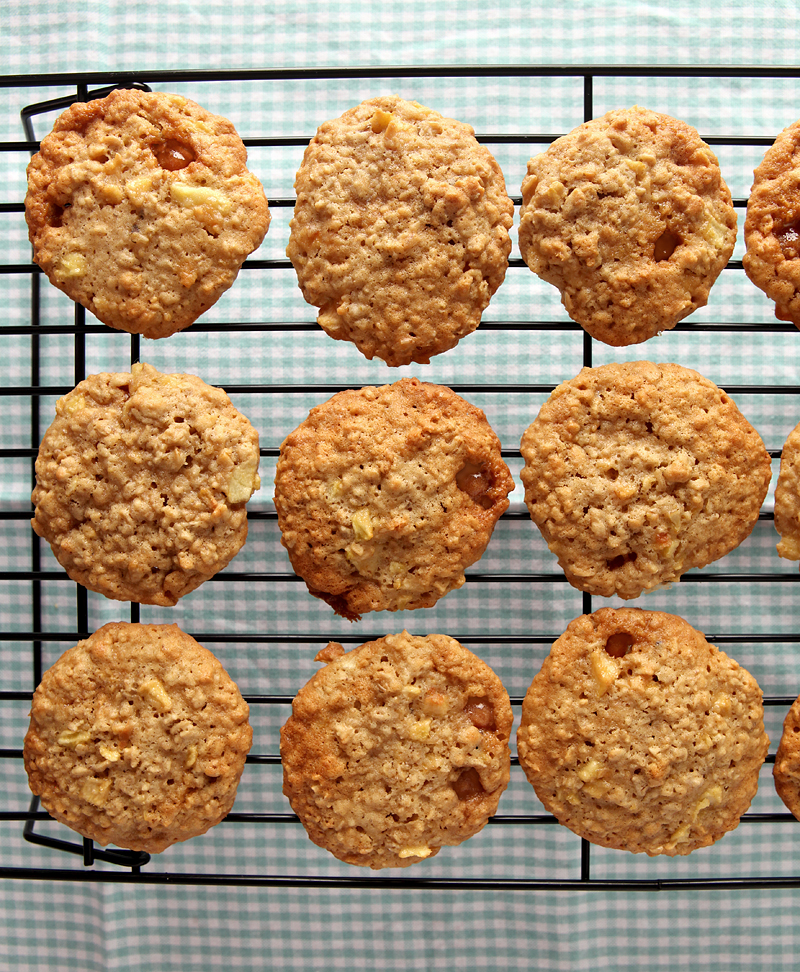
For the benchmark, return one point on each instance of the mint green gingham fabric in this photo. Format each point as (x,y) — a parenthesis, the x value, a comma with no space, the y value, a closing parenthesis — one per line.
(121,928)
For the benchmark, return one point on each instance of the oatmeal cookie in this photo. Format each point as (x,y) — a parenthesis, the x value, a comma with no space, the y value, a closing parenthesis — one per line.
(787,498)
(384,496)
(786,771)
(396,749)
(142,483)
(638,734)
(138,737)
(772,226)
(637,472)
(629,217)
(141,208)
(400,230)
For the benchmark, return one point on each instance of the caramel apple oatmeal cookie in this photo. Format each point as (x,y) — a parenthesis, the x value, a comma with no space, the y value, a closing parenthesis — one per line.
(385,495)
(400,230)
(629,217)
(141,208)
(787,498)
(138,737)
(637,472)
(397,749)
(786,771)
(772,226)
(142,483)
(638,734)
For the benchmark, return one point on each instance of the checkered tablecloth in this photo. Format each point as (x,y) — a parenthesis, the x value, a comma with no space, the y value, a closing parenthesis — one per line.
(100,927)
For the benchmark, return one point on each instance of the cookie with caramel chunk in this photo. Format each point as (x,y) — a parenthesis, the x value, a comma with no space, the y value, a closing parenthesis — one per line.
(638,734)
(142,482)
(140,207)
(138,737)
(400,234)
(636,472)
(385,495)
(396,749)
(629,217)
(772,226)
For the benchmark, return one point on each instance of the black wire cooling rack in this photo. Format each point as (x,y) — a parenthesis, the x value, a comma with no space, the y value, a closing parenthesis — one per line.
(133,867)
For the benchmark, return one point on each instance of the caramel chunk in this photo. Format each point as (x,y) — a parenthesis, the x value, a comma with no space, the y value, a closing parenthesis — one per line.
(173,155)
(789,239)
(665,245)
(476,482)
(618,645)
(480,712)
(620,560)
(468,784)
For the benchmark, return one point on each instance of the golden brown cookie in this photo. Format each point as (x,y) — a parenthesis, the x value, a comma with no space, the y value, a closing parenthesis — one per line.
(786,771)
(396,749)
(385,495)
(772,226)
(629,217)
(142,483)
(637,472)
(638,734)
(141,208)
(787,498)
(138,737)
(400,231)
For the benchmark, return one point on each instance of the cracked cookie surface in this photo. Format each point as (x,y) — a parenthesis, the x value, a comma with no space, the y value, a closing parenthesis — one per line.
(140,207)
(638,734)
(142,482)
(138,737)
(386,494)
(772,226)
(396,749)
(629,217)
(637,472)
(400,230)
